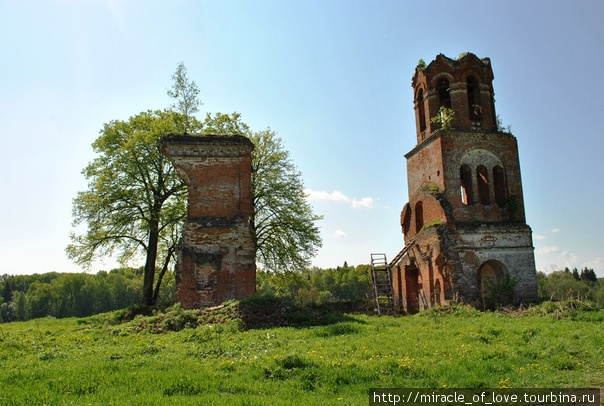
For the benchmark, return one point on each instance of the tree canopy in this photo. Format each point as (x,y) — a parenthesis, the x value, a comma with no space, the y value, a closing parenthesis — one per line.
(186,98)
(135,203)
(284,224)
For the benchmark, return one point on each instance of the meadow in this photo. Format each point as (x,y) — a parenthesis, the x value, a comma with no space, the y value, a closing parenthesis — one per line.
(96,361)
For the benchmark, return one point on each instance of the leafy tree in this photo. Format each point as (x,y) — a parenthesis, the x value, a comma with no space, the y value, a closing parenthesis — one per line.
(7,313)
(561,285)
(318,286)
(225,124)
(19,302)
(283,222)
(40,300)
(135,202)
(444,117)
(186,97)
(589,276)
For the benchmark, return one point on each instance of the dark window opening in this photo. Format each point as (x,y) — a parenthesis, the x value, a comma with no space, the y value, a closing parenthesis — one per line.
(473,90)
(406,218)
(482,176)
(419,216)
(467,193)
(413,287)
(499,185)
(444,96)
(422,113)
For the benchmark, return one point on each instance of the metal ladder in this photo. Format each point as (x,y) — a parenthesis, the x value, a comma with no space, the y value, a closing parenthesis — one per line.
(381,277)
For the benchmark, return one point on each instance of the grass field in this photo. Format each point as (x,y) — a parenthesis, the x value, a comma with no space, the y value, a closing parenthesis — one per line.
(92,361)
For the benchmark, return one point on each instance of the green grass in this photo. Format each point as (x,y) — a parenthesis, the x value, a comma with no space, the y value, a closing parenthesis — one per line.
(91,361)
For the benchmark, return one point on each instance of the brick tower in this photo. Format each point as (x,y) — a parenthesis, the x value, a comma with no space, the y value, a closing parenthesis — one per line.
(464,225)
(217,254)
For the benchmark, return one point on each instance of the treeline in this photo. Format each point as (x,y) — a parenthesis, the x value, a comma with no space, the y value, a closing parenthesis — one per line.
(24,297)
(318,286)
(567,284)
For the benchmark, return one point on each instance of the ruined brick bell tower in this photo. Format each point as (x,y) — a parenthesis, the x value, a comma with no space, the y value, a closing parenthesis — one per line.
(464,225)
(217,254)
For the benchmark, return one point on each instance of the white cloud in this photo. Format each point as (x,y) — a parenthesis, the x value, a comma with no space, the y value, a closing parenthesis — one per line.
(366,202)
(594,263)
(555,258)
(539,237)
(556,230)
(568,258)
(548,249)
(339,234)
(337,196)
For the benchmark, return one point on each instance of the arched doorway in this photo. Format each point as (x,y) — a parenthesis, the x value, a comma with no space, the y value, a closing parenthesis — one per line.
(489,273)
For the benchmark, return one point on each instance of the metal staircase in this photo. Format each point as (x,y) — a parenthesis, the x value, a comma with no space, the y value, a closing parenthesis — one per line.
(382,284)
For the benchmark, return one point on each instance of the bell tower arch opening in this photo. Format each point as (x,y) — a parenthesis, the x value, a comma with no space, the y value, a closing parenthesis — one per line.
(499,185)
(474,107)
(444,95)
(482,178)
(467,193)
(421,109)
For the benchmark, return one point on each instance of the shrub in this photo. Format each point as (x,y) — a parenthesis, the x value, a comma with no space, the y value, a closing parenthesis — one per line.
(500,293)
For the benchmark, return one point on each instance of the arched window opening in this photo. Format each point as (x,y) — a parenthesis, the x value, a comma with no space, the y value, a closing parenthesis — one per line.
(422,112)
(419,216)
(473,90)
(444,96)
(482,176)
(499,185)
(406,218)
(467,194)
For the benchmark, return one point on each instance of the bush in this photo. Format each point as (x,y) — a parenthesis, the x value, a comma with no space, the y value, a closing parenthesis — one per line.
(500,293)
(561,310)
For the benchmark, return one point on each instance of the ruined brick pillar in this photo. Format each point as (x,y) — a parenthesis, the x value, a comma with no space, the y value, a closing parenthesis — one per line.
(217,254)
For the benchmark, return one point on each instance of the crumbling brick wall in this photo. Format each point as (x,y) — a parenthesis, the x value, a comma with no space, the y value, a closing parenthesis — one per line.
(217,253)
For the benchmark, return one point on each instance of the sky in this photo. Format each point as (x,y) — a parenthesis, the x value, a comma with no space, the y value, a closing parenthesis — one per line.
(332,77)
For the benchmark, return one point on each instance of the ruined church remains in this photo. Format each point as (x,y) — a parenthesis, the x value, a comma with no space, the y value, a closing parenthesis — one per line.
(464,225)
(216,258)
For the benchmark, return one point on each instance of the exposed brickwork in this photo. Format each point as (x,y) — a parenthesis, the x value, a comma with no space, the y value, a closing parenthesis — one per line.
(217,255)
(465,220)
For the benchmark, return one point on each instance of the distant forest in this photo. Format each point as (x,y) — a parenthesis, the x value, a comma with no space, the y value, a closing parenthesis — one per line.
(24,297)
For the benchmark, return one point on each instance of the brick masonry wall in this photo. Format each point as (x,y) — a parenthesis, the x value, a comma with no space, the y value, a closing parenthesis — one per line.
(216,256)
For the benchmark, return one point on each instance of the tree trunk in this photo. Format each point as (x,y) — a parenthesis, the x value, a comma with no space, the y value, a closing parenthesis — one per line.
(160,277)
(150,266)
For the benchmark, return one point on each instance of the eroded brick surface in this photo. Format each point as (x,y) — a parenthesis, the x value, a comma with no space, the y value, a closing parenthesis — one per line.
(217,254)
(464,223)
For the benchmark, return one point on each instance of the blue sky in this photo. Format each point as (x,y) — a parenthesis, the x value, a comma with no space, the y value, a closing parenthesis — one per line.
(332,77)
